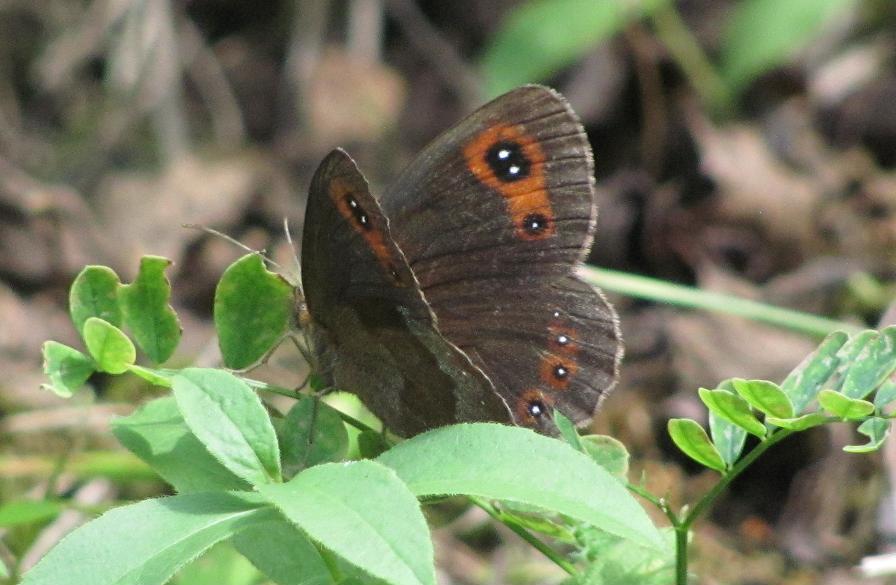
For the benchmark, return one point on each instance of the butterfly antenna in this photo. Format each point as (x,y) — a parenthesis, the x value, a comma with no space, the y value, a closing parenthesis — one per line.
(295,255)
(233,241)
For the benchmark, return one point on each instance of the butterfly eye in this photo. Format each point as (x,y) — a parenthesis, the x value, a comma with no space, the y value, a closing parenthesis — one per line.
(508,161)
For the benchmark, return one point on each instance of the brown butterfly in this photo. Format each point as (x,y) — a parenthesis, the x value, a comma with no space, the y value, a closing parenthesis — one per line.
(454,297)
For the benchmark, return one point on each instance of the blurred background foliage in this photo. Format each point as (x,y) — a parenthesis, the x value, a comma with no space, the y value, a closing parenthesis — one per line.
(742,146)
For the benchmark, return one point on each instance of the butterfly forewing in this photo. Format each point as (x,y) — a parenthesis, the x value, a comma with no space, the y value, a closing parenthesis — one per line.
(372,331)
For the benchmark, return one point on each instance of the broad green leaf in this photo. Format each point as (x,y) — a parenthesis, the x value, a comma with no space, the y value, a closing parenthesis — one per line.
(804,382)
(843,406)
(157,434)
(497,461)
(147,542)
(728,438)
(690,437)
(568,431)
(539,37)
(872,366)
(230,420)
(766,397)
(313,432)
(607,452)
(886,393)
(94,293)
(800,423)
(732,408)
(110,348)
(876,429)
(763,34)
(67,368)
(221,564)
(152,376)
(283,553)
(146,312)
(361,511)
(253,308)
(4,570)
(18,512)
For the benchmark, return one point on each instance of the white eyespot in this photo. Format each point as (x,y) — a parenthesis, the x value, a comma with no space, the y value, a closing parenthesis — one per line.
(352,203)
(556,314)
(513,170)
(503,154)
(562,339)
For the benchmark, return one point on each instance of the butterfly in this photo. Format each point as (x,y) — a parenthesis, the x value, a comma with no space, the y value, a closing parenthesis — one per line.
(454,296)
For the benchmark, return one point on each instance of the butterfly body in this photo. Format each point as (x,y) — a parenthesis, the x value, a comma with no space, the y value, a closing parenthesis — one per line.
(454,297)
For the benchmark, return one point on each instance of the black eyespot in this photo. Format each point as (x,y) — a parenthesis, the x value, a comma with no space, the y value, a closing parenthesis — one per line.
(359,214)
(536,408)
(561,372)
(535,223)
(507,161)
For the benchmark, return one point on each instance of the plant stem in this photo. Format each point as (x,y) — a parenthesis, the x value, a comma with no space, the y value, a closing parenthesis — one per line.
(681,554)
(690,57)
(533,540)
(686,296)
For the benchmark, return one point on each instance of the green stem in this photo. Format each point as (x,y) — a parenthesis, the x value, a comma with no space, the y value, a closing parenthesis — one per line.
(690,57)
(681,554)
(533,540)
(686,296)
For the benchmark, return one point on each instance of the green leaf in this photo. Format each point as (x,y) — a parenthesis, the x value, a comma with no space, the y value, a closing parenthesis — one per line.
(728,438)
(19,512)
(230,420)
(886,393)
(804,382)
(253,308)
(800,423)
(371,444)
(157,434)
(67,368)
(110,348)
(732,408)
(843,406)
(362,512)
(220,564)
(849,353)
(766,397)
(497,461)
(283,553)
(539,37)
(152,376)
(568,431)
(4,570)
(94,293)
(607,452)
(147,542)
(762,34)
(313,433)
(872,366)
(876,429)
(146,312)
(690,437)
